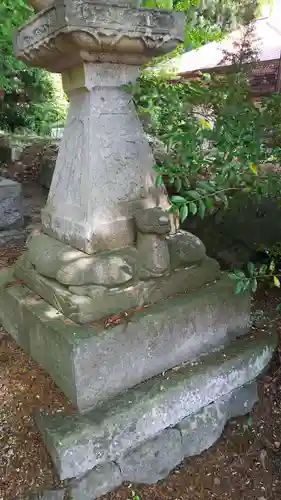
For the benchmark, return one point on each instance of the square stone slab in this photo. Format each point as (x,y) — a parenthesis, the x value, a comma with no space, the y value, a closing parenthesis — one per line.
(93,363)
(128,428)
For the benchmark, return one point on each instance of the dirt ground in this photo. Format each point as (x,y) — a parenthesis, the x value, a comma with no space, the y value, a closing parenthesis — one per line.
(245,463)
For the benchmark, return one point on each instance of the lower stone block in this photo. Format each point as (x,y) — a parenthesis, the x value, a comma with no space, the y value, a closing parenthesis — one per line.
(241,402)
(203,429)
(118,430)
(97,482)
(154,459)
(93,363)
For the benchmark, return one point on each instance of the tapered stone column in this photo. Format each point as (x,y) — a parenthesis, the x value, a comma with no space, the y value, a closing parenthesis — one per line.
(104,172)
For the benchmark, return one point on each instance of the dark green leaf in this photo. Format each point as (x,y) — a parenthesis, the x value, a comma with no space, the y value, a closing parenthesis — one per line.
(206,186)
(173,208)
(239,273)
(272,266)
(233,276)
(263,270)
(192,208)
(193,195)
(178,184)
(159,180)
(209,203)
(183,212)
(178,199)
(251,268)
(201,209)
(239,287)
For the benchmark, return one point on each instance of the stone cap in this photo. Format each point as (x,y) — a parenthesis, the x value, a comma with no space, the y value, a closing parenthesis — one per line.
(69,32)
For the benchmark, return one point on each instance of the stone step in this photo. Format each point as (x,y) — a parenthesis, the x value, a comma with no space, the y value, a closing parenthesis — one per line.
(144,432)
(74,303)
(93,363)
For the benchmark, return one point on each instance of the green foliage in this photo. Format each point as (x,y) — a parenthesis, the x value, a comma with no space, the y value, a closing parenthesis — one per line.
(249,280)
(218,143)
(134,496)
(268,273)
(208,20)
(32,98)
(206,163)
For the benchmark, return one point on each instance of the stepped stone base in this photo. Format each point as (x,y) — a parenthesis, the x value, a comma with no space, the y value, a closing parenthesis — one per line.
(93,363)
(143,433)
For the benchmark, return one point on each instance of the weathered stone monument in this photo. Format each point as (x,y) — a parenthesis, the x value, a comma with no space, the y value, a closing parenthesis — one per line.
(133,321)
(11,213)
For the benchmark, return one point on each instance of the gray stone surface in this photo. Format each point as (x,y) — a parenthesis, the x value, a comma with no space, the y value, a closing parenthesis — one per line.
(97,213)
(12,237)
(242,401)
(148,32)
(49,161)
(153,220)
(153,256)
(85,304)
(96,483)
(109,270)
(47,166)
(92,363)
(69,266)
(154,459)
(185,248)
(203,429)
(11,208)
(79,443)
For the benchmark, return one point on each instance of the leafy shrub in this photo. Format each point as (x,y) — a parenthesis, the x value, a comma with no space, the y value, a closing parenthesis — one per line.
(33,98)
(218,141)
(224,148)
